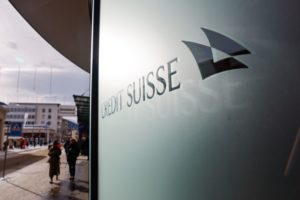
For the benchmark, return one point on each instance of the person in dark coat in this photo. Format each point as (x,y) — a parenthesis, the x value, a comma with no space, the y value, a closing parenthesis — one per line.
(67,143)
(72,151)
(54,161)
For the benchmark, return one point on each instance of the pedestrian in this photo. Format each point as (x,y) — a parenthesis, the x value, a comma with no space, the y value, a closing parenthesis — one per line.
(72,151)
(54,161)
(5,145)
(66,145)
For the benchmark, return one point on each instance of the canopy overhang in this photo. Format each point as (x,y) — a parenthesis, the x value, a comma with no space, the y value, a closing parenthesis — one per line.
(64,24)
(83,108)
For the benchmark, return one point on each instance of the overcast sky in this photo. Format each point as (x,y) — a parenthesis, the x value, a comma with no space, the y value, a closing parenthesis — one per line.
(30,69)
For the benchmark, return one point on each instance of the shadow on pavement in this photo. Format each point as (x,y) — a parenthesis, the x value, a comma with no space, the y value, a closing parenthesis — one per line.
(25,189)
(82,181)
(16,163)
(66,190)
(74,186)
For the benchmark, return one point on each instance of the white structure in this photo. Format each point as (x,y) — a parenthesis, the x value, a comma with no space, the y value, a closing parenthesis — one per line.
(65,111)
(69,128)
(36,115)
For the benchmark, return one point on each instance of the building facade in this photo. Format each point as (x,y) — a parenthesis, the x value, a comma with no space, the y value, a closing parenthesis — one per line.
(40,120)
(64,111)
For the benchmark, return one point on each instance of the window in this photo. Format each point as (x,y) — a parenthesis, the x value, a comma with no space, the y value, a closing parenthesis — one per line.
(49,110)
(49,116)
(30,116)
(43,110)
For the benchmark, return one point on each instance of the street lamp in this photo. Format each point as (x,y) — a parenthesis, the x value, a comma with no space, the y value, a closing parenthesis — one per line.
(47,134)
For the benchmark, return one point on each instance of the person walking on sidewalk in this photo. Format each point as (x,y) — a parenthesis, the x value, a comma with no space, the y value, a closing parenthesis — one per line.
(54,161)
(72,151)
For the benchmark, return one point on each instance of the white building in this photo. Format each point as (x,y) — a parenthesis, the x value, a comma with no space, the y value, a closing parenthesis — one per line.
(65,111)
(40,118)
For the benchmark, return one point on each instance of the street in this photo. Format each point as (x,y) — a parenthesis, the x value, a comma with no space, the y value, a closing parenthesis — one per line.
(27,178)
(16,161)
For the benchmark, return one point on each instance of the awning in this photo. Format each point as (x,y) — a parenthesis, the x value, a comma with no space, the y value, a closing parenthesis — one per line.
(83,108)
(64,24)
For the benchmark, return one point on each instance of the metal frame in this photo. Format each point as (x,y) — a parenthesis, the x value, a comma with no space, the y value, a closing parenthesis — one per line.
(94,82)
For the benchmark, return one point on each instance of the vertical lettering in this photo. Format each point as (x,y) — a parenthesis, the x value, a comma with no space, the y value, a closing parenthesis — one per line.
(121,102)
(143,78)
(136,101)
(162,80)
(129,95)
(103,110)
(170,74)
(151,85)
(115,104)
(109,108)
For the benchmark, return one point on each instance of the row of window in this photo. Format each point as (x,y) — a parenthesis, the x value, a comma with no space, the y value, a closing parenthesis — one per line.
(43,110)
(49,117)
(28,110)
(42,122)
(15,116)
(48,123)
(49,110)
(67,109)
(22,109)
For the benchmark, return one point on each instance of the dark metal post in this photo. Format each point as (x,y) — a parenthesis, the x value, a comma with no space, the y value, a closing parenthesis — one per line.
(94,82)
(5,155)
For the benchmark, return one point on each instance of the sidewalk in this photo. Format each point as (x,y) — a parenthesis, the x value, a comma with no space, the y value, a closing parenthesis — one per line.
(32,182)
(16,151)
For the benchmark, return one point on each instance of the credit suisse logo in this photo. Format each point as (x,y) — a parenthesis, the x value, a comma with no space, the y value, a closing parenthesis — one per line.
(162,79)
(205,59)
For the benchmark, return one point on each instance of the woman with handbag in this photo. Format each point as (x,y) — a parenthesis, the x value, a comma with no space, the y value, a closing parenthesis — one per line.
(54,161)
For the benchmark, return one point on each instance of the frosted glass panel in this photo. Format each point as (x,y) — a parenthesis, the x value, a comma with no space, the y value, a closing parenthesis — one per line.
(199,100)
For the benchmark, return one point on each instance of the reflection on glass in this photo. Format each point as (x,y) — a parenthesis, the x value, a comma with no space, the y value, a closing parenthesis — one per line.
(205,59)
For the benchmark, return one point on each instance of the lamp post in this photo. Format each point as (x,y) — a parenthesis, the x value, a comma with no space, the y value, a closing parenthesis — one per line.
(32,135)
(47,135)
(6,147)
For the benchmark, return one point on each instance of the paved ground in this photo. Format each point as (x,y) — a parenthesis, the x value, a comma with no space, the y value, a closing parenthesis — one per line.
(17,151)
(17,159)
(32,182)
